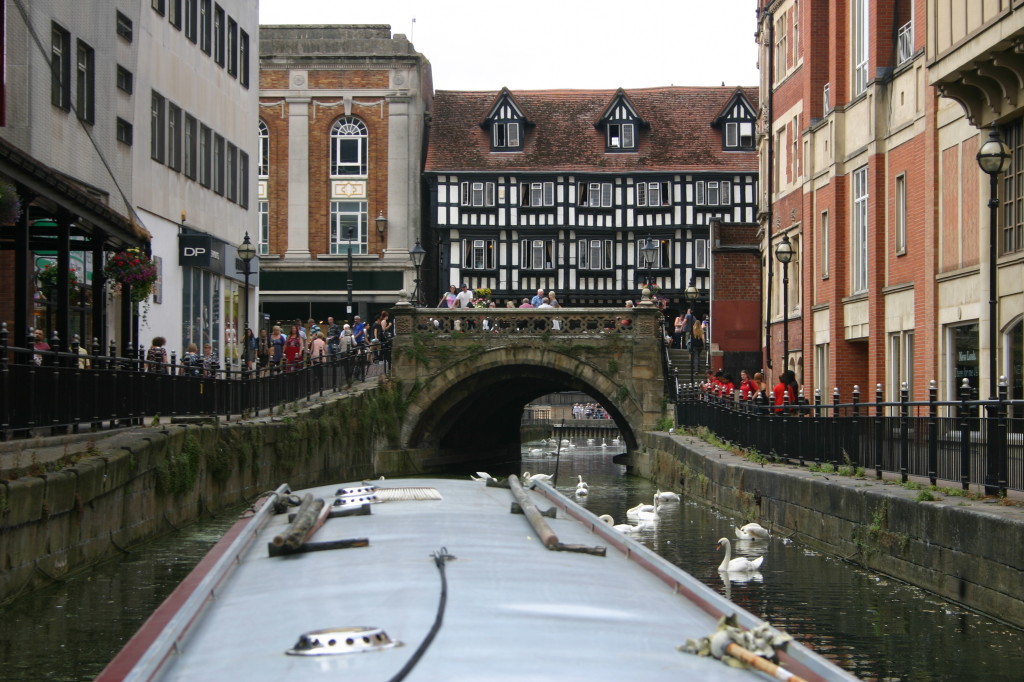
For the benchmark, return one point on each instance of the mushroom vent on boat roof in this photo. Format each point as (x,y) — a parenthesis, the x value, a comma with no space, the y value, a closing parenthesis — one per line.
(333,641)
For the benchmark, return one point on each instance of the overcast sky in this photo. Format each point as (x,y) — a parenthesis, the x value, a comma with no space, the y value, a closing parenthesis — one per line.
(542,44)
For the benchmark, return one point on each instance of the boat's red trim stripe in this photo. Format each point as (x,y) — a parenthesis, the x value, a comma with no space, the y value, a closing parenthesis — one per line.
(142,640)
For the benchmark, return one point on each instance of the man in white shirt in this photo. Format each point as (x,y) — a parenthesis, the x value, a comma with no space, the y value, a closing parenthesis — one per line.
(464,299)
(538,299)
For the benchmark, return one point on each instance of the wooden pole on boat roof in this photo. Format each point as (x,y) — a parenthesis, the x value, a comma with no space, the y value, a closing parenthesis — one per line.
(533,515)
(307,521)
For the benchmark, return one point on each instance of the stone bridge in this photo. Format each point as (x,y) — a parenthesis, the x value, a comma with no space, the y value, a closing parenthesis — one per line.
(468,374)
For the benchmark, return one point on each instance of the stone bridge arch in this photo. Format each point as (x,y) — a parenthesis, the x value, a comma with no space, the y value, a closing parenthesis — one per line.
(468,381)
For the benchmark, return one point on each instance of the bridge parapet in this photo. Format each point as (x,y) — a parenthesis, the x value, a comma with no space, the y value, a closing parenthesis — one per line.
(635,322)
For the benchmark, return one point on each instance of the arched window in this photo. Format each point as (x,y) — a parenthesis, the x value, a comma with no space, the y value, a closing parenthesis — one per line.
(264,160)
(348,147)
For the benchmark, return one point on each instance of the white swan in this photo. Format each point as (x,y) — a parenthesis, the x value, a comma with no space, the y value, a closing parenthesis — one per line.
(590,441)
(536,452)
(739,564)
(582,488)
(667,496)
(527,476)
(481,476)
(649,517)
(621,527)
(632,512)
(752,531)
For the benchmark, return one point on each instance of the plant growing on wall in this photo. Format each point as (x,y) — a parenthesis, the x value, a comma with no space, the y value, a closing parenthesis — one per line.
(10,204)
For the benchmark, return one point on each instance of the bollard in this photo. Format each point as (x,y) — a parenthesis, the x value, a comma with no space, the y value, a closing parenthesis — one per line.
(879,430)
(904,431)
(1001,441)
(965,436)
(933,432)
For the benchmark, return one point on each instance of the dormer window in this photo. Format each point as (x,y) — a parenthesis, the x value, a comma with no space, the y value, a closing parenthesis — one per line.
(736,123)
(620,136)
(506,123)
(505,135)
(620,122)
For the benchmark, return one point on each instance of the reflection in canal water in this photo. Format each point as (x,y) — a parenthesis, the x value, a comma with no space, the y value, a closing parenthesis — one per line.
(872,626)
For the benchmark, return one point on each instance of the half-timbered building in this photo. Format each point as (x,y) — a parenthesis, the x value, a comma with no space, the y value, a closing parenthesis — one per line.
(561,189)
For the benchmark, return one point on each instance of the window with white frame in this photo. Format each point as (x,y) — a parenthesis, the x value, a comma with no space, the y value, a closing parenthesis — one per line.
(712,193)
(479,254)
(794,276)
(263,162)
(537,254)
(232,47)
(594,254)
(780,48)
(190,146)
(191,11)
(621,136)
(823,243)
(900,214)
(243,179)
(700,254)
(859,233)
(901,363)
(60,67)
(860,46)
(205,26)
(348,227)
(243,59)
(231,164)
(348,147)
(86,72)
(263,209)
(732,134)
(477,194)
(505,135)
(821,369)
(653,194)
(796,30)
(595,194)
(534,194)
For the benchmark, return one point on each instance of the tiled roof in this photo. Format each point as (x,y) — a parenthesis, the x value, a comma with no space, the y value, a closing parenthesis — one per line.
(679,136)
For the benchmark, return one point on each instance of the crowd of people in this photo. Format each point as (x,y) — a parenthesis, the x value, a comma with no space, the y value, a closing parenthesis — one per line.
(721,385)
(588,411)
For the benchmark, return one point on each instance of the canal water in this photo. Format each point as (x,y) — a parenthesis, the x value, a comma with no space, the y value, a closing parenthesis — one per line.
(872,626)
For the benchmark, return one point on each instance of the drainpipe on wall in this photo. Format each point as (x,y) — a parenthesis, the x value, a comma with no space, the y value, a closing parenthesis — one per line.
(769,190)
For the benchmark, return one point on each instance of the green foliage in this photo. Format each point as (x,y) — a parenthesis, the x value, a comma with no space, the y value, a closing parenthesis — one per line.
(177,474)
(613,367)
(622,395)
(880,518)
(664,424)
(822,468)
(926,496)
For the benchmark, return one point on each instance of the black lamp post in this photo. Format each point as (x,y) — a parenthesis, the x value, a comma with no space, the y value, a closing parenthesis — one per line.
(416,253)
(784,252)
(994,158)
(349,237)
(246,252)
(690,294)
(648,255)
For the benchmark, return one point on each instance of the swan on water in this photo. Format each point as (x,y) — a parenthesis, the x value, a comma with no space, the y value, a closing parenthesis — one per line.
(582,488)
(739,564)
(603,444)
(536,452)
(590,441)
(633,511)
(481,476)
(752,531)
(527,476)
(649,517)
(667,496)
(621,527)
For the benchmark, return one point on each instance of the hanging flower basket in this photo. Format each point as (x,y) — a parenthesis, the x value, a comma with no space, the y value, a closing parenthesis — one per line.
(134,268)
(48,278)
(10,204)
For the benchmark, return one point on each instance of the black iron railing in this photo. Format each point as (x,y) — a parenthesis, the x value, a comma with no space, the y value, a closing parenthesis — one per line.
(966,441)
(53,391)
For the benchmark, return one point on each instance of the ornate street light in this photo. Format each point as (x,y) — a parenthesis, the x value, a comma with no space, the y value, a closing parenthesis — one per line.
(784,254)
(993,158)
(648,256)
(382,224)
(246,252)
(691,293)
(416,253)
(349,236)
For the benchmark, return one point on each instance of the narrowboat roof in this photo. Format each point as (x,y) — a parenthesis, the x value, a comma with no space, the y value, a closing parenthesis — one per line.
(439,581)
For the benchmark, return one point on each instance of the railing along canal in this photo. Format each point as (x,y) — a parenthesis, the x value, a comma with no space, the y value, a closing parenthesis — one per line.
(53,391)
(968,441)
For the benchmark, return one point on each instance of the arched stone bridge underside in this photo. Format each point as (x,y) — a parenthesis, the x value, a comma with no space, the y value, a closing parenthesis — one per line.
(468,374)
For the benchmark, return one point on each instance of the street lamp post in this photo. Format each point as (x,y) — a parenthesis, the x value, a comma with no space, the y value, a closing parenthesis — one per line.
(648,256)
(690,294)
(784,252)
(246,252)
(348,237)
(993,158)
(416,253)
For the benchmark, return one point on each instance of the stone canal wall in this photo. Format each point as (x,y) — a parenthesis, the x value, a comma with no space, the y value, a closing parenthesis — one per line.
(67,503)
(967,550)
